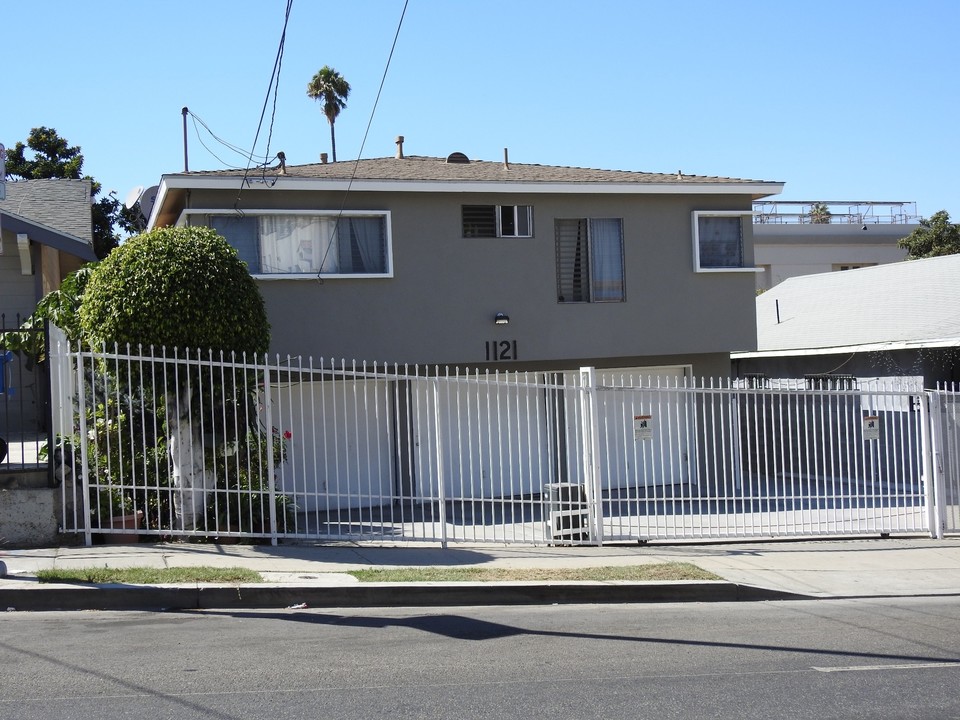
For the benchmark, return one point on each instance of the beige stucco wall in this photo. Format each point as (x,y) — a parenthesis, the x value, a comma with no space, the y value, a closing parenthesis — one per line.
(18,292)
(790,250)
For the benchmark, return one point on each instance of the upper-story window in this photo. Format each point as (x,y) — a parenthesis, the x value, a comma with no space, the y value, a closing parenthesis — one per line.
(310,244)
(589,260)
(718,240)
(497,221)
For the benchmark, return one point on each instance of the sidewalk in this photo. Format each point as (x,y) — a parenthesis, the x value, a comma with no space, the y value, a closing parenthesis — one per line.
(314,575)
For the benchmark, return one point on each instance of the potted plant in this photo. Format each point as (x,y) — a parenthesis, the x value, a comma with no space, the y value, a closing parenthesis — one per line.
(115,511)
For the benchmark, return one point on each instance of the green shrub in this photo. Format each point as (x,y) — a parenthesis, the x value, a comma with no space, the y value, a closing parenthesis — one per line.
(182,288)
(175,287)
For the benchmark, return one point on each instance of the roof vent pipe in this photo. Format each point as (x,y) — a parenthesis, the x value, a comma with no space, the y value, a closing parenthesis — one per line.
(506,160)
(323,158)
(399,142)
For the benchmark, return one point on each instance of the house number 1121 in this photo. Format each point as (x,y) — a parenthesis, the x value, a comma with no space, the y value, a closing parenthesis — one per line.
(501,350)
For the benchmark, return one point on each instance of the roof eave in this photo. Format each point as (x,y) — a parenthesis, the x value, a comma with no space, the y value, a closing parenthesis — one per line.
(685,187)
(931,343)
(51,237)
(168,183)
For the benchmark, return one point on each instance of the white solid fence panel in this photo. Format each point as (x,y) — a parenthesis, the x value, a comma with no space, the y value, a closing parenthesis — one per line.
(340,441)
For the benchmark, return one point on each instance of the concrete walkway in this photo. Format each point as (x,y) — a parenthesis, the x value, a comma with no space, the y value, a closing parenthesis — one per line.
(315,575)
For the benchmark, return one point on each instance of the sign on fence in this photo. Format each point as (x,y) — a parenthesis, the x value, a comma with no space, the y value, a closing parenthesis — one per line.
(643,427)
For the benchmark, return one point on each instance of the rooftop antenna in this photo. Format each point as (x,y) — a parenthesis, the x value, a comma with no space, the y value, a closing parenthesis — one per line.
(186,166)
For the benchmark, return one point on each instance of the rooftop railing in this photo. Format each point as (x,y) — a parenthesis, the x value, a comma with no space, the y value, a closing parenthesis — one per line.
(834,212)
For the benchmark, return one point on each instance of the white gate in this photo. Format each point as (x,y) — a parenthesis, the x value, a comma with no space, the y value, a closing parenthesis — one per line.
(742,459)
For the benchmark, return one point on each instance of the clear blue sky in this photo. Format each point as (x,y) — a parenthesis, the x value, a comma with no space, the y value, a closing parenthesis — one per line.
(843,100)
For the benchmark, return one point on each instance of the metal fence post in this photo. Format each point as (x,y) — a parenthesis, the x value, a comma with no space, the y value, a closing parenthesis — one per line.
(84,441)
(591,450)
(934,489)
(268,417)
(438,439)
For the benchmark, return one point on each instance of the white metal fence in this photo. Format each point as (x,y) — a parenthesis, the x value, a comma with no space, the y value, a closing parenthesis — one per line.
(945,455)
(188,444)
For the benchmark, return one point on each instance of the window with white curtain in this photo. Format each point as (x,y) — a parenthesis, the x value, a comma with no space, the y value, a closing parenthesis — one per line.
(309,244)
(589,260)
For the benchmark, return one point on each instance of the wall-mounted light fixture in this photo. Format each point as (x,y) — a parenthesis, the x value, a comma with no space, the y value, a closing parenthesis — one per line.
(501,319)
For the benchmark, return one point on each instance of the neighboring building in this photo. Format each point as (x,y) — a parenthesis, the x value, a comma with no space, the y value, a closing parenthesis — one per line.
(458,262)
(46,232)
(794,238)
(899,319)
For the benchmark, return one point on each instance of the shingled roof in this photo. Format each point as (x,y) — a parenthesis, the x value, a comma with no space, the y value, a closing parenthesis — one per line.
(53,212)
(63,205)
(424,169)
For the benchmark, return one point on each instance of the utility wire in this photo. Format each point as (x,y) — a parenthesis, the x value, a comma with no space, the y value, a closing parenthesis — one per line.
(274,78)
(230,146)
(356,164)
(209,150)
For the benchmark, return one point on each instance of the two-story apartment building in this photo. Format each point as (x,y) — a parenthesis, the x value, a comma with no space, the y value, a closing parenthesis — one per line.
(452,261)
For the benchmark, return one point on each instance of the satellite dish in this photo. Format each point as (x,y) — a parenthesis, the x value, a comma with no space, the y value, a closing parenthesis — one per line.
(147,199)
(133,196)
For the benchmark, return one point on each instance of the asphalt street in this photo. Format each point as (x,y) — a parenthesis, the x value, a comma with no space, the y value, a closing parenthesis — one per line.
(876,658)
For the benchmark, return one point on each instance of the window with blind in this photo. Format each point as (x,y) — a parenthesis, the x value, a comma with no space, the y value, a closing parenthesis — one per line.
(589,260)
(324,244)
(489,221)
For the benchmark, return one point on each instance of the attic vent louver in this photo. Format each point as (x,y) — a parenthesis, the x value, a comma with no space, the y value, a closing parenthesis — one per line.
(457,157)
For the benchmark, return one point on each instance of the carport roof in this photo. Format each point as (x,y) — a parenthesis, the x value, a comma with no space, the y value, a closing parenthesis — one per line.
(910,304)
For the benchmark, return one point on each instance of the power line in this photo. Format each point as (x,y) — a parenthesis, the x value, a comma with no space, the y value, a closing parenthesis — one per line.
(233,148)
(236,148)
(356,164)
(274,78)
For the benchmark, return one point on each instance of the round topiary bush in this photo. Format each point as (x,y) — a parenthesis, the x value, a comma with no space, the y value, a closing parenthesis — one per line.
(175,288)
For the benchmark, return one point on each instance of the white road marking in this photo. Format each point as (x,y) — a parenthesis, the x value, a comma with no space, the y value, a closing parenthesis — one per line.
(874,668)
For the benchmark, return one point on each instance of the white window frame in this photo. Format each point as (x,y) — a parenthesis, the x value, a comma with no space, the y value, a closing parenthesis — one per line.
(498,217)
(187,215)
(697,214)
(516,220)
(842,267)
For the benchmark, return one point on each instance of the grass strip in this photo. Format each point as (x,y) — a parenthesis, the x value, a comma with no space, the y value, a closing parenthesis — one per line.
(633,573)
(150,576)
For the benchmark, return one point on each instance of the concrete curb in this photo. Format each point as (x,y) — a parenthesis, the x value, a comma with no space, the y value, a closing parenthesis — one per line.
(210,597)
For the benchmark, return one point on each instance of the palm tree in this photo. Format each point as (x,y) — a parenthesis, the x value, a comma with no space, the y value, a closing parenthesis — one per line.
(329,87)
(820,213)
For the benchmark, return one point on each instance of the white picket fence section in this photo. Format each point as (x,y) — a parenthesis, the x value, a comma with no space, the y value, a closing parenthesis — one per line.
(289,449)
